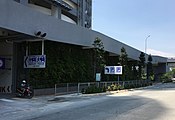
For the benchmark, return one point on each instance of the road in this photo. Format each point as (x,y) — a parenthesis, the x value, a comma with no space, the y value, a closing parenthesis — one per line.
(152,103)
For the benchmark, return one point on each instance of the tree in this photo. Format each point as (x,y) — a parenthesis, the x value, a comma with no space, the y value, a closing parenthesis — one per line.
(99,55)
(141,65)
(142,59)
(123,59)
(149,67)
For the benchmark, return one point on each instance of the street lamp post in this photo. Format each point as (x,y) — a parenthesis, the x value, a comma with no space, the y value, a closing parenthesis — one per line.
(146,44)
(146,53)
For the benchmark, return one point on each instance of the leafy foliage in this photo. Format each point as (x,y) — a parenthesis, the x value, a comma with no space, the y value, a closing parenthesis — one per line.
(114,87)
(142,59)
(93,89)
(167,77)
(141,65)
(133,73)
(99,55)
(123,59)
(71,63)
(65,63)
(150,58)
(150,73)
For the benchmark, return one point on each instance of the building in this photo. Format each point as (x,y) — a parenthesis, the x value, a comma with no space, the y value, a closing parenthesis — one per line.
(62,21)
(170,64)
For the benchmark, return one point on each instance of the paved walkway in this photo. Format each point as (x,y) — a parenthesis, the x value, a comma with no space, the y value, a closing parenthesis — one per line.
(13,108)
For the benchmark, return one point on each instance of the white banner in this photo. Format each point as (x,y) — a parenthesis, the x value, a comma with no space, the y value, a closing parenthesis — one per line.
(113,70)
(35,61)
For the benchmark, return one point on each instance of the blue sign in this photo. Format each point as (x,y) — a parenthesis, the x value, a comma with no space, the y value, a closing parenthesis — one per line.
(2,63)
(35,61)
(113,69)
(106,70)
(118,69)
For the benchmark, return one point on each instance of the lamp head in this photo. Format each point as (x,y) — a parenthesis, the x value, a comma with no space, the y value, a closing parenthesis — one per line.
(44,35)
(38,33)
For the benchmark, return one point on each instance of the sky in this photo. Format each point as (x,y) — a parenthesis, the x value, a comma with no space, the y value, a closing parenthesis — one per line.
(132,21)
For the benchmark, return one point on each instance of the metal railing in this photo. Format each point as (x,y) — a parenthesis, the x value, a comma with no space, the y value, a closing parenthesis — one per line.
(66,88)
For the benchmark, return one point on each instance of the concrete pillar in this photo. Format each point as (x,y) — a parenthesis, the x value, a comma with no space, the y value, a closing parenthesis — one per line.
(14,68)
(56,11)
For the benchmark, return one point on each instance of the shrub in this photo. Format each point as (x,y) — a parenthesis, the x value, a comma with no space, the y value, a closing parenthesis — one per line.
(93,89)
(114,87)
(167,77)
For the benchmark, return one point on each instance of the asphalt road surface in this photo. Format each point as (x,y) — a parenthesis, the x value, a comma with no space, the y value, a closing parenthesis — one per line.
(152,103)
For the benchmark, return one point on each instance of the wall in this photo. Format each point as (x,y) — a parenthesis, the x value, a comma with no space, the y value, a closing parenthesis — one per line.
(48,12)
(57,30)
(6,73)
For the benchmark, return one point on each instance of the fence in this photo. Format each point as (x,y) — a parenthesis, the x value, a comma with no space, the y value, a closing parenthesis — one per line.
(66,88)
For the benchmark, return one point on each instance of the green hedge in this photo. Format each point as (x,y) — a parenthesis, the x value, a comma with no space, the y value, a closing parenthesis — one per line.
(64,63)
(93,89)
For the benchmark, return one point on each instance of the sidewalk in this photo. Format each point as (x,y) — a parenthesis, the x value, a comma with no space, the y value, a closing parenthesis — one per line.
(51,98)
(6,95)
(76,96)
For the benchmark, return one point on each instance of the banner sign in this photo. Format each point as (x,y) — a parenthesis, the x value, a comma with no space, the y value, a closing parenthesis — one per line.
(113,70)
(35,61)
(2,63)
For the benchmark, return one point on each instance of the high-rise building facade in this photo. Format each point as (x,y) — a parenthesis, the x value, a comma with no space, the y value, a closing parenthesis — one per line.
(74,11)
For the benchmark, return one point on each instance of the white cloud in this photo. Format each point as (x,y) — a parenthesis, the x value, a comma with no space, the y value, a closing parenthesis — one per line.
(160,53)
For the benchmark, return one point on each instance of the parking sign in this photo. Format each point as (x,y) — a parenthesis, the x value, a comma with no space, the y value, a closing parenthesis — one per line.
(119,70)
(113,70)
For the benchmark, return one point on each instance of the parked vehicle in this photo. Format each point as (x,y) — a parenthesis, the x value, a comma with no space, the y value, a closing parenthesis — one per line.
(25,90)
